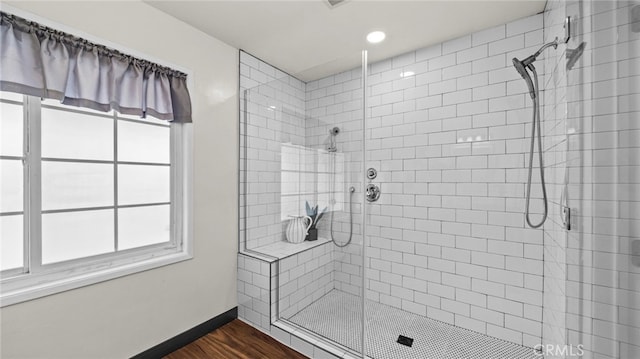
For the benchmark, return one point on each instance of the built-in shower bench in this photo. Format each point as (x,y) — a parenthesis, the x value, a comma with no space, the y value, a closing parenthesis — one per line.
(278,280)
(283,249)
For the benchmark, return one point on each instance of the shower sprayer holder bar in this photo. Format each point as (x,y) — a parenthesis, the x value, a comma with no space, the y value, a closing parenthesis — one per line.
(333,132)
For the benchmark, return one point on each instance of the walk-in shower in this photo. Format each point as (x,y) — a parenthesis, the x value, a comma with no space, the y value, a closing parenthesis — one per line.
(451,260)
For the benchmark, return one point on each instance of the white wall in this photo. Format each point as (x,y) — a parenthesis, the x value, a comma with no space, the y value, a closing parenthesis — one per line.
(125,316)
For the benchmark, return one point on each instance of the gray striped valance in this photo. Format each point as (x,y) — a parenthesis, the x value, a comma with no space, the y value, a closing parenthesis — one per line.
(39,61)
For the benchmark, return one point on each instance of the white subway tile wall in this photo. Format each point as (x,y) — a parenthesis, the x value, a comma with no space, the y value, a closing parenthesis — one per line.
(272,116)
(591,288)
(287,163)
(304,278)
(447,236)
(257,301)
(255,291)
(336,101)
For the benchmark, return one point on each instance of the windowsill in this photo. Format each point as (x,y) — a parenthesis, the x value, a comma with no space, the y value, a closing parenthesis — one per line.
(283,249)
(89,278)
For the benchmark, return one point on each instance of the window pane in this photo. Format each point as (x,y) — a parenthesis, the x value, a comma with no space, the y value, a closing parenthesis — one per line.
(11,120)
(72,235)
(138,142)
(11,96)
(11,242)
(141,226)
(76,136)
(148,119)
(76,185)
(11,185)
(143,184)
(57,103)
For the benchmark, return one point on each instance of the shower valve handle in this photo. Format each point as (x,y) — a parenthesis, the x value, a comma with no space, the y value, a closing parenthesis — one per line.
(372,192)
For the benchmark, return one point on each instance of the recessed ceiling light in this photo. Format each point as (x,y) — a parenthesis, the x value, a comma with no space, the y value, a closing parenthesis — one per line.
(375,37)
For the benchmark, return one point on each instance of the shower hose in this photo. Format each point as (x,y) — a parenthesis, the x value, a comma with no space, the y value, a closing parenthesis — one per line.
(351,191)
(536,126)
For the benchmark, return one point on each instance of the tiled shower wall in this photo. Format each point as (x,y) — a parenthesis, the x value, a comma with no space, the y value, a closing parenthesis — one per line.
(337,101)
(257,299)
(272,110)
(255,290)
(304,278)
(448,133)
(449,128)
(603,130)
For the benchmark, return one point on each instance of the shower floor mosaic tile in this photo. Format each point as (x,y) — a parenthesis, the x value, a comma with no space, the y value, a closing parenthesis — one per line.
(336,316)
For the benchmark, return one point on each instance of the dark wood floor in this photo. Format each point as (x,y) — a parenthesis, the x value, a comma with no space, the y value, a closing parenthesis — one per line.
(236,340)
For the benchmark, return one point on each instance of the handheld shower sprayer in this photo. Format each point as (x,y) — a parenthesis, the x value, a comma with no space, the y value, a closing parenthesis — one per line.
(520,67)
(523,67)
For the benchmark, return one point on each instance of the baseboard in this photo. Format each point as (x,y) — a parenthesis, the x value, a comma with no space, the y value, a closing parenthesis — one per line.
(182,339)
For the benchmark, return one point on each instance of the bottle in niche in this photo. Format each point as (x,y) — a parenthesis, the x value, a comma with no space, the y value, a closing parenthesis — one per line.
(315,215)
(313,234)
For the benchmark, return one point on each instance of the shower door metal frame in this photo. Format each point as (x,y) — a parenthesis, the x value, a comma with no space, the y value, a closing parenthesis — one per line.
(364,64)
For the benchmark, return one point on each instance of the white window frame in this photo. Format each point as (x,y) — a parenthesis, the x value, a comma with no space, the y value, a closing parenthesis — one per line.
(34,281)
(16,286)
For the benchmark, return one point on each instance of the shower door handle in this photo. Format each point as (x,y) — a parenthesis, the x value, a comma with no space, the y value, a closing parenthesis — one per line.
(372,192)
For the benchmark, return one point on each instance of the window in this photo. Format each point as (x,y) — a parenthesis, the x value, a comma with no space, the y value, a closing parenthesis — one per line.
(87,192)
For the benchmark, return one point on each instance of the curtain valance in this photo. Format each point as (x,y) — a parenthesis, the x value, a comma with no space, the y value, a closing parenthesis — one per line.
(39,61)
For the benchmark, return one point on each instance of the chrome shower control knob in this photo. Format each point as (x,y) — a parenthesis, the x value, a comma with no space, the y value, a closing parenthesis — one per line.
(372,173)
(372,192)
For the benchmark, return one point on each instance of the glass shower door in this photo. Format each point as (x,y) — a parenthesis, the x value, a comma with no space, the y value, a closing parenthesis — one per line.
(603,246)
(320,286)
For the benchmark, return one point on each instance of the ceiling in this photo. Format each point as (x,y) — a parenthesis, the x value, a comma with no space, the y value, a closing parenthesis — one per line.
(310,39)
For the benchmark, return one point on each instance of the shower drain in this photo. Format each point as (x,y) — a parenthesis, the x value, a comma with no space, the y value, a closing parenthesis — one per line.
(405,340)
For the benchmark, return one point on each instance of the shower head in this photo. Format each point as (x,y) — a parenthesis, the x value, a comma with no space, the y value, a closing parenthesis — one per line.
(520,66)
(334,131)
(573,55)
